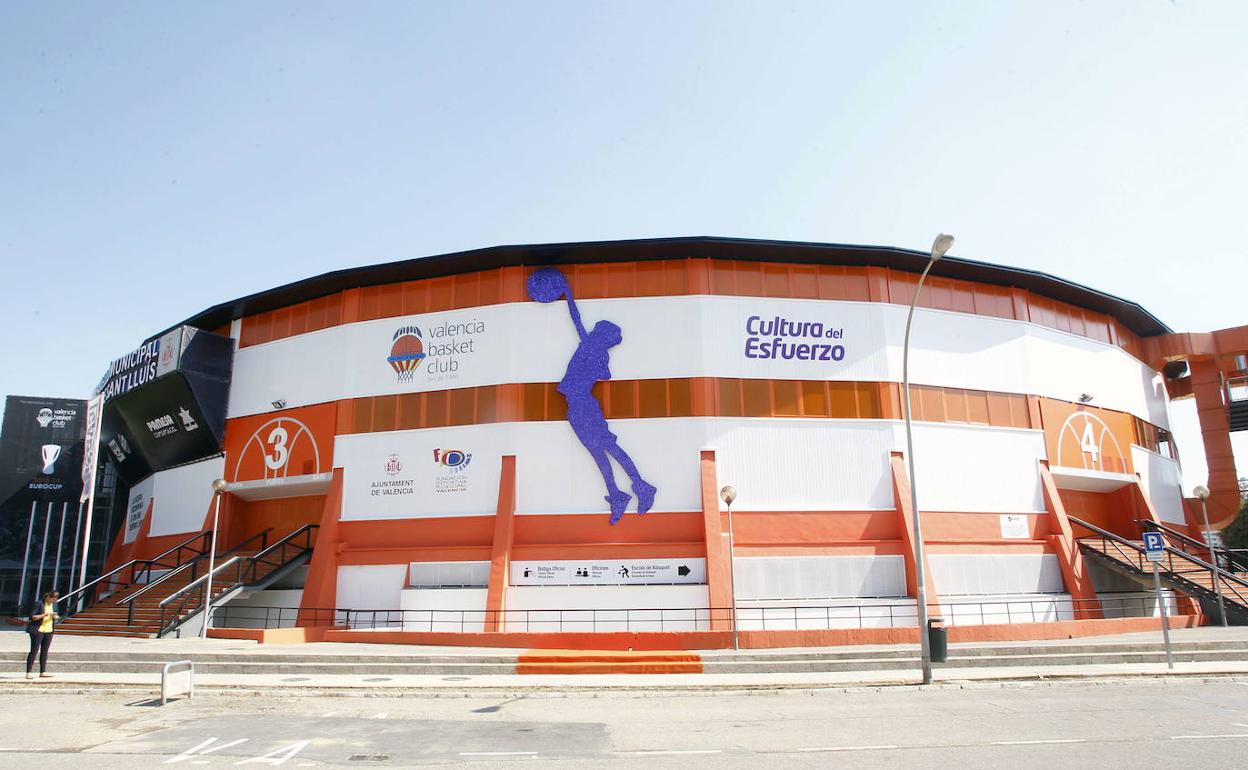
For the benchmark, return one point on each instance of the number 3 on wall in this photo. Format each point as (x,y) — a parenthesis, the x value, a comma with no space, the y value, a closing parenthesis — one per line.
(277,439)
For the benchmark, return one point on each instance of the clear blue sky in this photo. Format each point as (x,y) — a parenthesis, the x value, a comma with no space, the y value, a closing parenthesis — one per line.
(159,158)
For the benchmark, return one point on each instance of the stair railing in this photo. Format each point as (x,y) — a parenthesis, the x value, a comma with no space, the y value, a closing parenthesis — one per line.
(192,565)
(236,572)
(160,561)
(1228,560)
(1124,550)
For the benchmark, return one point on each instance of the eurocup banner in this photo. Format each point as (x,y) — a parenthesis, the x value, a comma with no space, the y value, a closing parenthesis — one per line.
(41,456)
(41,449)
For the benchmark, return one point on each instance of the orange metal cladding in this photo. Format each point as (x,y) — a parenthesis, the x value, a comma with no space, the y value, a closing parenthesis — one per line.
(290,442)
(1086,437)
(682,277)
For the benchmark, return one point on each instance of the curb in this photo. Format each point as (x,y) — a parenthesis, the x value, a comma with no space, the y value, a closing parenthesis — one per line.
(691,690)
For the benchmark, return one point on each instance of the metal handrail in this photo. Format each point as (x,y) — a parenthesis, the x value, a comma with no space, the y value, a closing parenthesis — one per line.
(199,580)
(1228,555)
(245,570)
(1138,551)
(132,562)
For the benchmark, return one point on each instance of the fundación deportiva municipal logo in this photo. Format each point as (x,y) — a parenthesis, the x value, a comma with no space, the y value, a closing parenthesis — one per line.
(454,460)
(407,350)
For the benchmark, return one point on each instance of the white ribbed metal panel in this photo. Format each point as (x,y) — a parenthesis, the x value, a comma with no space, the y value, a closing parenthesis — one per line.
(790,465)
(454,610)
(698,336)
(370,587)
(1163,483)
(448,574)
(820,577)
(957,574)
(967,469)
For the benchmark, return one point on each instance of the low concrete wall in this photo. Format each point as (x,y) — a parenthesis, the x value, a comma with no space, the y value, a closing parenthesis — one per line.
(711,640)
(272,635)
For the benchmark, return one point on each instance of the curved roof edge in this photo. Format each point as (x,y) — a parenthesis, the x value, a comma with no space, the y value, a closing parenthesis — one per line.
(1135,317)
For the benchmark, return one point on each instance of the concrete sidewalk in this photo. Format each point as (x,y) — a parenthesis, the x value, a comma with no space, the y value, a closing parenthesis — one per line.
(901,669)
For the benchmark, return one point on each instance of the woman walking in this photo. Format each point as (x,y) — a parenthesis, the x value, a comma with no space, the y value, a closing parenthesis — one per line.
(42,625)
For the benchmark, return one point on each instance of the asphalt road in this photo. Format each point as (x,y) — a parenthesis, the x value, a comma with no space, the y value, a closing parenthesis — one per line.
(1081,725)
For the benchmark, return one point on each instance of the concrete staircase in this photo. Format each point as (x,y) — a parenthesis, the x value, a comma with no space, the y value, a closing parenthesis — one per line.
(1182,568)
(112,616)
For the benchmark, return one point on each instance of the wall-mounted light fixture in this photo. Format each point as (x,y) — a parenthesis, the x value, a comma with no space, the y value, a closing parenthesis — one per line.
(1085,398)
(279,403)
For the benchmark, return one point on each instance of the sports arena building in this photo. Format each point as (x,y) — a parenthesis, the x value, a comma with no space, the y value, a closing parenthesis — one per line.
(451,449)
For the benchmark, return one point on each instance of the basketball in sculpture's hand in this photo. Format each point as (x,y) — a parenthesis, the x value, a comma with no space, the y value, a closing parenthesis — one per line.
(547,285)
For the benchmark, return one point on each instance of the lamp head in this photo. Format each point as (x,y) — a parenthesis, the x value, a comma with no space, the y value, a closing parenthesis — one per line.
(1085,398)
(728,494)
(1201,492)
(942,244)
(219,486)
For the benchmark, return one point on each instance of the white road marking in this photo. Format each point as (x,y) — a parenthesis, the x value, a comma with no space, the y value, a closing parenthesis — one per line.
(498,753)
(328,714)
(1205,737)
(202,748)
(1035,743)
(380,715)
(849,748)
(665,752)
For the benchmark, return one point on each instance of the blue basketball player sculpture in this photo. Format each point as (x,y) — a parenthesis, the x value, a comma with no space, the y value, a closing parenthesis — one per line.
(588,366)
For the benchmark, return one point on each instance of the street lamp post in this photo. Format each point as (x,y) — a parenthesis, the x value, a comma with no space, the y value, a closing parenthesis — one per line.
(219,487)
(728,494)
(1202,493)
(939,247)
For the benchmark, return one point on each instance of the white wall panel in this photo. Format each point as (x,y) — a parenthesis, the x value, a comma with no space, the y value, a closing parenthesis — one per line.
(1008,608)
(607,608)
(554,473)
(775,464)
(808,614)
(960,574)
(791,465)
(1161,479)
(440,574)
(969,469)
(820,577)
(395,475)
(370,587)
(137,505)
(183,496)
(452,610)
(698,336)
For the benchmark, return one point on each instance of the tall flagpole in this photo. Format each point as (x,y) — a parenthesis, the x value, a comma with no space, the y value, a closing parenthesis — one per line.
(90,461)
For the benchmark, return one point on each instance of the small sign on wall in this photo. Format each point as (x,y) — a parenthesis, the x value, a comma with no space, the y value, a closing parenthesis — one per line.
(600,572)
(1014,527)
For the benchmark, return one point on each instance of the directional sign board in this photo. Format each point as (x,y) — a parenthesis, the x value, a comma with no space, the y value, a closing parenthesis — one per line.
(1154,546)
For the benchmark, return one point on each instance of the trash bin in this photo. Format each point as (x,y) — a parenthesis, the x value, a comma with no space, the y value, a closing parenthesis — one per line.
(938,640)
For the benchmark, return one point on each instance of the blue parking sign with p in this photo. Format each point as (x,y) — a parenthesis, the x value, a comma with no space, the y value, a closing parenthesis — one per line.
(1154,546)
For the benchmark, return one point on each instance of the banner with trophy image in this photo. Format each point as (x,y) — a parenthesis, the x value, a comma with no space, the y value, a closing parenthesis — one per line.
(41,446)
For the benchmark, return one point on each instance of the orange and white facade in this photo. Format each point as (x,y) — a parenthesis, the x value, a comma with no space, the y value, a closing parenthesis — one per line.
(459,486)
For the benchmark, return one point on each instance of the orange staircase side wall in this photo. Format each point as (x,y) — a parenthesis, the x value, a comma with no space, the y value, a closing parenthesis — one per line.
(901,500)
(718,567)
(504,538)
(1069,557)
(320,591)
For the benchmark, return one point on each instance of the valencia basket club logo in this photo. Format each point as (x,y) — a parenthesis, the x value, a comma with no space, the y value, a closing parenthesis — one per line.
(407,350)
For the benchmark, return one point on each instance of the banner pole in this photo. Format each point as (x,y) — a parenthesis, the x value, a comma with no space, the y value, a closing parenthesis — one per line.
(43,554)
(30,530)
(60,546)
(95,415)
(73,561)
